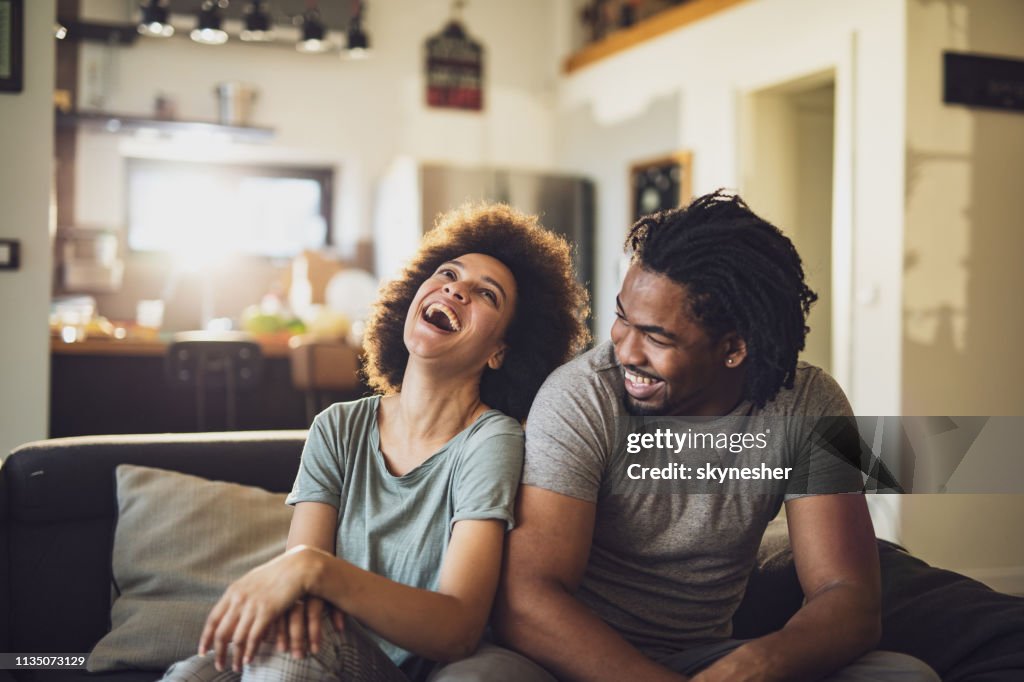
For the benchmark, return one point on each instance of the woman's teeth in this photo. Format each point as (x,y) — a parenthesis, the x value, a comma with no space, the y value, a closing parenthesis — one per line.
(453,320)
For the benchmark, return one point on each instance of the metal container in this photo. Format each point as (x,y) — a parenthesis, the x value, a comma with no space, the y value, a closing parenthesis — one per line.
(235,102)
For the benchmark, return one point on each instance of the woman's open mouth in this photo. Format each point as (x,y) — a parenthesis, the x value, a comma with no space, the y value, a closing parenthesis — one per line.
(641,386)
(442,317)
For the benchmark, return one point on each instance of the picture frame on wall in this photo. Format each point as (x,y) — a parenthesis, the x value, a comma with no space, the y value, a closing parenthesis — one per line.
(660,184)
(12,45)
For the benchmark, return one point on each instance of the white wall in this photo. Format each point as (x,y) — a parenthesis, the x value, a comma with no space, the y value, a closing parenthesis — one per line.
(961,300)
(26,169)
(707,68)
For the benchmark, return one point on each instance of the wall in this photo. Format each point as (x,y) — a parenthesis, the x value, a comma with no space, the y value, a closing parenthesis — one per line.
(707,68)
(355,116)
(961,302)
(26,169)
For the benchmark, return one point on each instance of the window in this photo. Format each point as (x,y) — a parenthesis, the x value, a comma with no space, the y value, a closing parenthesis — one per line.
(202,208)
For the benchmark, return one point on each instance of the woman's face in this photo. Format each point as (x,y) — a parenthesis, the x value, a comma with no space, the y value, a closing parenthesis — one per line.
(462,311)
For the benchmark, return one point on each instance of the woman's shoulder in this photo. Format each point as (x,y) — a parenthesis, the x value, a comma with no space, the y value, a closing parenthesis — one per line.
(347,416)
(495,423)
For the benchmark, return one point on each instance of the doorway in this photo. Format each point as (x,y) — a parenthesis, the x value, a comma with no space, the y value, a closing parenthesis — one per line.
(787,142)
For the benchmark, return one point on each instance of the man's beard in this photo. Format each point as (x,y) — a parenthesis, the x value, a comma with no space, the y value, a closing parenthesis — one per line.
(638,410)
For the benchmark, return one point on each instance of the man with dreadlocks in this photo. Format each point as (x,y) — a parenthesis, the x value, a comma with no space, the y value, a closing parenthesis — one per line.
(602,584)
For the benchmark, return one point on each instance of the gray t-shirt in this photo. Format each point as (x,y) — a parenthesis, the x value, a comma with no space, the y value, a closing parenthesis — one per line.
(667,570)
(399,526)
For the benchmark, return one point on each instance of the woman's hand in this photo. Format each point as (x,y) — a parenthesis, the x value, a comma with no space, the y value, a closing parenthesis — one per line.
(251,604)
(299,630)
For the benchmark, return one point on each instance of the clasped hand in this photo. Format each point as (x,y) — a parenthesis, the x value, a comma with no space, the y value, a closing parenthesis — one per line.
(267,602)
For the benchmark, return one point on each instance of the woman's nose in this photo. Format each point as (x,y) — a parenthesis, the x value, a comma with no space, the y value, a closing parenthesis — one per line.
(455,290)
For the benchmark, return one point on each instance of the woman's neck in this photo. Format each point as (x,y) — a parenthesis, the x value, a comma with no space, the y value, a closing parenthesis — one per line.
(430,410)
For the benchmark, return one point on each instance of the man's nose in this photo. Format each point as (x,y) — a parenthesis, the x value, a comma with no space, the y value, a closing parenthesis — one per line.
(629,349)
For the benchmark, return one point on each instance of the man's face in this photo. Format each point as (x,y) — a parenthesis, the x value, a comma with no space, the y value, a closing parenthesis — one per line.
(670,364)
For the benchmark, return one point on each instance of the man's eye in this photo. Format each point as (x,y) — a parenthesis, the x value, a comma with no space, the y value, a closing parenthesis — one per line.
(621,318)
(658,342)
(489,295)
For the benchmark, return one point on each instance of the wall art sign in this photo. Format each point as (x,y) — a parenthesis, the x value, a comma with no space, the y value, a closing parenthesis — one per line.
(660,184)
(12,45)
(455,70)
(981,81)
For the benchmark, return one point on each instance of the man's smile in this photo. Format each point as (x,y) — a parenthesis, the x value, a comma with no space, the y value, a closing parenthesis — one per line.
(641,386)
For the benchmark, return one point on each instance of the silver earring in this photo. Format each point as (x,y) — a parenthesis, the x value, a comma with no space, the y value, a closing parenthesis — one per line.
(729,362)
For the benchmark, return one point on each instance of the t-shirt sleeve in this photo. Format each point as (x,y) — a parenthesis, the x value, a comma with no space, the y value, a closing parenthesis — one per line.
(567,438)
(319,478)
(488,476)
(827,460)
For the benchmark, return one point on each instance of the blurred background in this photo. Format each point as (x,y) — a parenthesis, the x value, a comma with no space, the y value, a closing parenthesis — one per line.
(252,171)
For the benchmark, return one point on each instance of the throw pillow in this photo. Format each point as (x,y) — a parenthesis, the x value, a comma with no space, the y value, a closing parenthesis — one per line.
(180,541)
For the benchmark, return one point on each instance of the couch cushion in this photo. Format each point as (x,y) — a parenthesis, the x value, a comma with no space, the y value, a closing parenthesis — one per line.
(180,540)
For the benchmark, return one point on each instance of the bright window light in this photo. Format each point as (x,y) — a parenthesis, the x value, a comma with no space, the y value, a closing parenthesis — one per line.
(204,212)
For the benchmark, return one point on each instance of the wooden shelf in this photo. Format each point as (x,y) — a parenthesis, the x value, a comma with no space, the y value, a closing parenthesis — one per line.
(118,123)
(652,27)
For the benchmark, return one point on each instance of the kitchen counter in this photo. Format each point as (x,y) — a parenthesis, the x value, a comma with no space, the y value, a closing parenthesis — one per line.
(110,386)
(275,347)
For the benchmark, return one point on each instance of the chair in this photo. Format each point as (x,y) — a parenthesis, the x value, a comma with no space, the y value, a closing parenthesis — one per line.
(322,367)
(208,361)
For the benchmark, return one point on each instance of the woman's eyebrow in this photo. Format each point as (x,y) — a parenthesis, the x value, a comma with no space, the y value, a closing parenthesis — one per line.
(490,280)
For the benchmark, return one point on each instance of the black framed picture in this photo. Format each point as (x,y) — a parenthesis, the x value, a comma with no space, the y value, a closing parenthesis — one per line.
(12,45)
(660,184)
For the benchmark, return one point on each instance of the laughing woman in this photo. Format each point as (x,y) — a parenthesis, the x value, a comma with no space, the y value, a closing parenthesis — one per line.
(402,499)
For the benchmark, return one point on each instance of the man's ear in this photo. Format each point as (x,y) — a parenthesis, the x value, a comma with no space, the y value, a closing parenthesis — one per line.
(496,360)
(734,347)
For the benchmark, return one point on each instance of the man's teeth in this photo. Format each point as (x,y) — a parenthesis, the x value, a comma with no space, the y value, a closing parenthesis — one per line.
(452,319)
(637,379)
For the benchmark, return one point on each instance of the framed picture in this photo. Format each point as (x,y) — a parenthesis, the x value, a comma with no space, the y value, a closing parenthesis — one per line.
(659,184)
(12,42)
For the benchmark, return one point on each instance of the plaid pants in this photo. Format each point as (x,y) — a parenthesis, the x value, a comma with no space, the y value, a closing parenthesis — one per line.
(349,656)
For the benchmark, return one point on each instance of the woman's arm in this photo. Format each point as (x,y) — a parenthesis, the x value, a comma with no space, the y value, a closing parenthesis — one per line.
(443,626)
(314,524)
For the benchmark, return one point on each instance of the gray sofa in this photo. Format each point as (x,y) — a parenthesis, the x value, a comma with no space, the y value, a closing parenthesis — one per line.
(58,512)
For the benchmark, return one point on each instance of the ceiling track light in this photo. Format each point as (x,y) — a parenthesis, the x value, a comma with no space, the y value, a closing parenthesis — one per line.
(314,32)
(208,29)
(154,21)
(357,45)
(258,25)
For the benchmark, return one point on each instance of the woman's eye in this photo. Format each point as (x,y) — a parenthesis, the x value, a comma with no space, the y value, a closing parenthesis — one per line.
(489,295)
(446,273)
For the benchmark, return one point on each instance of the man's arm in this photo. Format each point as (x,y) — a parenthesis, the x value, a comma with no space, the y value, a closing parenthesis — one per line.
(837,562)
(536,612)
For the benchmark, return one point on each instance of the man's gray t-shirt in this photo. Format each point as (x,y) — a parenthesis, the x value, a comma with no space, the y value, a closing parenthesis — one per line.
(667,570)
(399,526)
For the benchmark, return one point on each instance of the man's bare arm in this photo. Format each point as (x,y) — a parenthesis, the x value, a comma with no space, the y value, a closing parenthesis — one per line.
(837,562)
(536,612)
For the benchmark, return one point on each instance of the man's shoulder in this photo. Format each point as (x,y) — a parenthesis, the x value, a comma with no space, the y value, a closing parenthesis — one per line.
(814,392)
(589,374)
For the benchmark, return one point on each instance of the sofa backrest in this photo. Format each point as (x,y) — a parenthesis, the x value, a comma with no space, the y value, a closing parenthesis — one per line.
(61,507)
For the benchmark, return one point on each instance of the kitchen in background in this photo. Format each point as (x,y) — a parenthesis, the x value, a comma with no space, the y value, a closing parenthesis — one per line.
(223,186)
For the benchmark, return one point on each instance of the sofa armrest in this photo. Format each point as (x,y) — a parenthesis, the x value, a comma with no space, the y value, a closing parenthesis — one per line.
(62,509)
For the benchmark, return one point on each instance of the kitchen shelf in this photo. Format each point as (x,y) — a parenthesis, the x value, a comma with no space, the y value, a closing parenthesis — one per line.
(124,123)
(652,27)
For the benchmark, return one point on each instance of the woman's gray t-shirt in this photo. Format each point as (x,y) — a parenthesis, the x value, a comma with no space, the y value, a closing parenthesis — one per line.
(399,526)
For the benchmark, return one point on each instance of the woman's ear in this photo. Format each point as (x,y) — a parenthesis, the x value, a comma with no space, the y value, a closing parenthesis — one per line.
(496,360)
(734,348)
